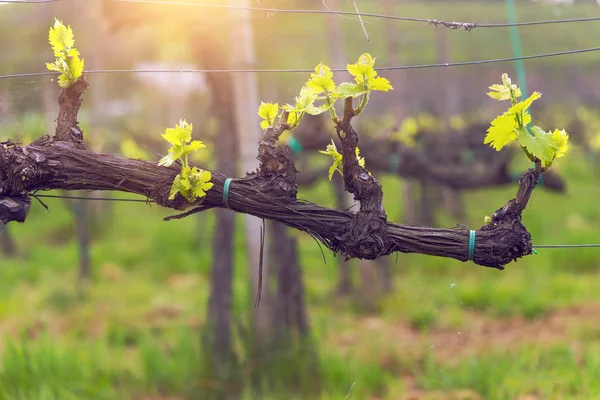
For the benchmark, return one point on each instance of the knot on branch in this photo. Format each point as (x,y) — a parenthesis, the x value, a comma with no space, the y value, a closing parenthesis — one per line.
(505,239)
(514,208)
(498,244)
(277,172)
(366,237)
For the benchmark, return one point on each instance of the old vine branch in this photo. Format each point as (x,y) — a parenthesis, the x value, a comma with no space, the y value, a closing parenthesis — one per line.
(54,165)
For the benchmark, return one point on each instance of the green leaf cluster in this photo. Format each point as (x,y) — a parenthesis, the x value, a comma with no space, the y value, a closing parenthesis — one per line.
(67,63)
(320,93)
(514,125)
(191,183)
(332,151)
(182,144)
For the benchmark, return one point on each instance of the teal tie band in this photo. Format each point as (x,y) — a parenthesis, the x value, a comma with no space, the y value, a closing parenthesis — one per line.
(471,245)
(226,192)
(394,162)
(295,145)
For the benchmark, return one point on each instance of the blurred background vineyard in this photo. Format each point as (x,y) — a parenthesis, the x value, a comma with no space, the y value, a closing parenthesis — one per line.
(104,300)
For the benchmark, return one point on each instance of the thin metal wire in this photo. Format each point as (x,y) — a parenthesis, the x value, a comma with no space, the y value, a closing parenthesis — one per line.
(540,246)
(565,246)
(305,70)
(27,1)
(452,25)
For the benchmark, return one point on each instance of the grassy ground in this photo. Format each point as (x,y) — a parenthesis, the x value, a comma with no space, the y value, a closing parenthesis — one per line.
(529,330)
(449,330)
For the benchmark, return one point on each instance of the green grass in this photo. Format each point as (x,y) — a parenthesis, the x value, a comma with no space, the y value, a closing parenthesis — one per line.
(558,372)
(134,331)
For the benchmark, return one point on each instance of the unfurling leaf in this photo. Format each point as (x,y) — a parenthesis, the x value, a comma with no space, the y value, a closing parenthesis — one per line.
(321,80)
(561,141)
(191,183)
(331,150)
(525,104)
(268,112)
(361,160)
(363,70)
(487,219)
(67,62)
(181,134)
(348,89)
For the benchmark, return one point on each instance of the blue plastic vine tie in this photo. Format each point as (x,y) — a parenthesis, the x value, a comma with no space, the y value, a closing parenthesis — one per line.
(295,145)
(226,192)
(471,245)
(394,162)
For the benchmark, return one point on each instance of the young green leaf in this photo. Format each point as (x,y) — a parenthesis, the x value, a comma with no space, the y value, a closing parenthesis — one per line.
(181,134)
(525,104)
(305,102)
(561,141)
(268,112)
(321,80)
(540,144)
(363,70)
(501,132)
(361,160)
(331,150)
(381,84)
(67,62)
(191,183)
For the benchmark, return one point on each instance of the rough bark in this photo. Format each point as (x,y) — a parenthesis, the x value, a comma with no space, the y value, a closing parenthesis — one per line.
(26,169)
(268,193)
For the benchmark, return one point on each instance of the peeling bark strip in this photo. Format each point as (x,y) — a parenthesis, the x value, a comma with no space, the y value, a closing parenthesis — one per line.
(269,193)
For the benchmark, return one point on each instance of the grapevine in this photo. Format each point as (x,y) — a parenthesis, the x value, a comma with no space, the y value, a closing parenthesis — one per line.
(514,124)
(192,183)
(67,62)
(270,192)
(321,88)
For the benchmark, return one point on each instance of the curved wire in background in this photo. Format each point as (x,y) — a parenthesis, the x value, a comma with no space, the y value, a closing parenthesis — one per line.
(452,25)
(468,26)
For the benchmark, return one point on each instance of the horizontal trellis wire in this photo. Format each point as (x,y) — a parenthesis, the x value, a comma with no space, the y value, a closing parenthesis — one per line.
(305,70)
